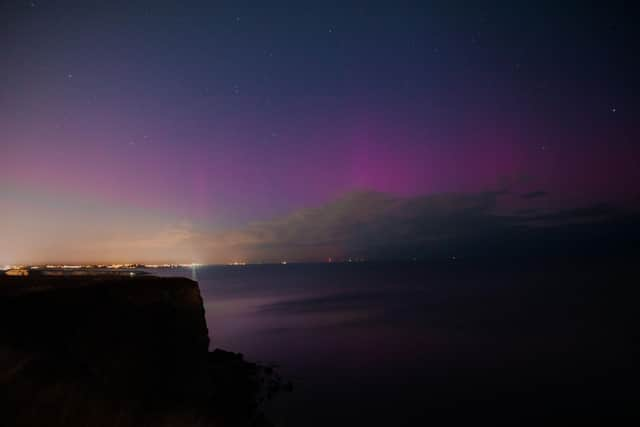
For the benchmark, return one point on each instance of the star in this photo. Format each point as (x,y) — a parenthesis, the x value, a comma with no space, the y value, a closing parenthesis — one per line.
(69,76)
(614,109)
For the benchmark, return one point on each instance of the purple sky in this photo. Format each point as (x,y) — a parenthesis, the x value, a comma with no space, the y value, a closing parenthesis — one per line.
(216,117)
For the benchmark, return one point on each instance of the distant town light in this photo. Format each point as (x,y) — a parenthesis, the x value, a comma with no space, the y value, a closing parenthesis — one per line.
(17,272)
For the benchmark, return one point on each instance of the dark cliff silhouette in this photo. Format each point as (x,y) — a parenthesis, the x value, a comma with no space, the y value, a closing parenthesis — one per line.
(119,351)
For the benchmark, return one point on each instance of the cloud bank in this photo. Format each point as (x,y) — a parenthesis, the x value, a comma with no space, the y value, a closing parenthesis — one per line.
(369,225)
(359,225)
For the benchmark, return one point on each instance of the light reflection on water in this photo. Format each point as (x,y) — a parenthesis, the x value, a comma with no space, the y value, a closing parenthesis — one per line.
(317,322)
(337,331)
(372,335)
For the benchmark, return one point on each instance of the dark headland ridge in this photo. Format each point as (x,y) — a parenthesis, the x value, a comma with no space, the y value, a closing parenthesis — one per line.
(119,351)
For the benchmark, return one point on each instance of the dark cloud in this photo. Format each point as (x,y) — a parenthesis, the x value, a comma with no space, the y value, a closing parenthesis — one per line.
(534,194)
(372,225)
(367,224)
(593,212)
(527,211)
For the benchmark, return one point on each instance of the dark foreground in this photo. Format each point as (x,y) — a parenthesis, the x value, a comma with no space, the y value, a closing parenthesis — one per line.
(118,351)
(509,342)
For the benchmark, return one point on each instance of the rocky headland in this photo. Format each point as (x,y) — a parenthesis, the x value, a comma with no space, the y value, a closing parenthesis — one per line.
(119,351)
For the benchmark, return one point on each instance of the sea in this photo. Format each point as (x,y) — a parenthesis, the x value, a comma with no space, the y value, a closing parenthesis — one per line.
(401,343)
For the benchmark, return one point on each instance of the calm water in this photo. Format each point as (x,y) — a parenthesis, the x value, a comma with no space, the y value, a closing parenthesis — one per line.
(380,343)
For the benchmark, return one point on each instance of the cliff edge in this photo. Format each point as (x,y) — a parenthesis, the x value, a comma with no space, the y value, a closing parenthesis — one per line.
(118,351)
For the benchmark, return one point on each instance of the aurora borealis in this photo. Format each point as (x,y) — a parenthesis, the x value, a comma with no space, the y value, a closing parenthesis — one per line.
(158,131)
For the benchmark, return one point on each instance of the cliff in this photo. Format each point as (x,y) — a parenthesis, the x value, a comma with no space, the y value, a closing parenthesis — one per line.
(118,351)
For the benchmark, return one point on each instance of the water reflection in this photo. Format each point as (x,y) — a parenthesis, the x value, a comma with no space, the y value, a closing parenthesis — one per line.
(399,337)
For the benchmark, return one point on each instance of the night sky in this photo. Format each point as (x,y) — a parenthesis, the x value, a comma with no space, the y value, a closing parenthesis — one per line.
(211,131)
